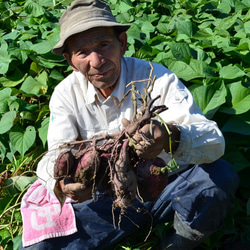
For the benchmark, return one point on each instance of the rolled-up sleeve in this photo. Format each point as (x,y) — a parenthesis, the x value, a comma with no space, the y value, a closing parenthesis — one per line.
(201,140)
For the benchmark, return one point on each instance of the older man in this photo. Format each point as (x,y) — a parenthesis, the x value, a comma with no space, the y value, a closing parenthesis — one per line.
(85,104)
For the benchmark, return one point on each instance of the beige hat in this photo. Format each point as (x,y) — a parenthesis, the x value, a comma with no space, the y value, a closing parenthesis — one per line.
(83,15)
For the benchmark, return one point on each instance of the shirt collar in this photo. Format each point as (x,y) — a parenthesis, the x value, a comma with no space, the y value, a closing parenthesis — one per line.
(91,93)
(120,87)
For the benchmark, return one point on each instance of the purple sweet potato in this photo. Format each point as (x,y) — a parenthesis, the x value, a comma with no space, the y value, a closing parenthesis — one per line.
(87,165)
(64,165)
(123,179)
(151,180)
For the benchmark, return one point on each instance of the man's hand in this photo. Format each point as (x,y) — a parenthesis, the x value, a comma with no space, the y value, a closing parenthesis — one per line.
(76,191)
(152,138)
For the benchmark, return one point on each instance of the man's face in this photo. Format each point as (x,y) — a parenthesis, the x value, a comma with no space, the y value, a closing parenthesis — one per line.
(97,53)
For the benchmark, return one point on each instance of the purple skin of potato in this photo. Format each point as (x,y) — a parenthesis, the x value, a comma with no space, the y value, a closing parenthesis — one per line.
(151,181)
(87,166)
(64,165)
(124,181)
(125,185)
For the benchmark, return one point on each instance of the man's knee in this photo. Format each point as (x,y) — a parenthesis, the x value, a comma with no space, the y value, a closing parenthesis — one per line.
(223,175)
(206,196)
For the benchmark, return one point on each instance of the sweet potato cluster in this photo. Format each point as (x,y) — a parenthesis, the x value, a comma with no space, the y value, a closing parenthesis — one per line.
(114,165)
(117,169)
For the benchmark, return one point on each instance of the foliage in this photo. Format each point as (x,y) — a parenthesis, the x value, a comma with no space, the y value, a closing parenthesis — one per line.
(205,42)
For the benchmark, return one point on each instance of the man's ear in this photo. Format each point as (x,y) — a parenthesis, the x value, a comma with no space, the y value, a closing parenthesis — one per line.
(68,58)
(123,41)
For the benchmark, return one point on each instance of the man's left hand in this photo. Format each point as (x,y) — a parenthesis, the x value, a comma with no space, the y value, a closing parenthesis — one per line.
(152,138)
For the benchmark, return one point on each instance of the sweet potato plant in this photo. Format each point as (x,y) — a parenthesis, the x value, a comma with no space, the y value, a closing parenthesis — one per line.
(205,42)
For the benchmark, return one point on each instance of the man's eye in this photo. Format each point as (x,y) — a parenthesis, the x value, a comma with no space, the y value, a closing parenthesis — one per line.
(104,45)
(81,53)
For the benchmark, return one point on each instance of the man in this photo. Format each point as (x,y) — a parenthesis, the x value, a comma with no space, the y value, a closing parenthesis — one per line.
(85,104)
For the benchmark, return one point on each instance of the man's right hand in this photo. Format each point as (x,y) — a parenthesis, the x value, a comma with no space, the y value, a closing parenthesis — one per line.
(76,191)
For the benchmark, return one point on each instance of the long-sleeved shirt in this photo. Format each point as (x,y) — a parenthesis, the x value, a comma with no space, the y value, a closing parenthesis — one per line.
(78,109)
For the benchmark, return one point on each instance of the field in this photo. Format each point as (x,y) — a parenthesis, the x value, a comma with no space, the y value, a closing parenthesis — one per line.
(205,42)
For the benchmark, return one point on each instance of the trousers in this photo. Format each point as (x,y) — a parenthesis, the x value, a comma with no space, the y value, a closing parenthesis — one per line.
(202,196)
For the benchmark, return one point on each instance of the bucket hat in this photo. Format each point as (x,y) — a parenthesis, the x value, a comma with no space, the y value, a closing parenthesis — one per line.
(83,15)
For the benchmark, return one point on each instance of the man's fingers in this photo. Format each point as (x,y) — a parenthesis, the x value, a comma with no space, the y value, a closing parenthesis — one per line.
(125,122)
(78,192)
(74,187)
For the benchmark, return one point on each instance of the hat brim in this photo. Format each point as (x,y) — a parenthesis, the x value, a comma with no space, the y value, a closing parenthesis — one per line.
(60,46)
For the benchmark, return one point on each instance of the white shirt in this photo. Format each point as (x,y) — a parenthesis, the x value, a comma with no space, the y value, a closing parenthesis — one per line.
(77,108)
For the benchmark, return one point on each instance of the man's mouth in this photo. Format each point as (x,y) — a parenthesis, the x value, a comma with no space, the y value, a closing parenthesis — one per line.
(99,74)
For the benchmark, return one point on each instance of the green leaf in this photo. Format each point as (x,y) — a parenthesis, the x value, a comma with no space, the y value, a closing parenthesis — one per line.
(7,121)
(224,6)
(23,140)
(43,131)
(238,124)
(45,46)
(5,203)
(17,242)
(242,5)
(185,27)
(123,7)
(34,67)
(240,99)
(3,148)
(231,72)
(247,27)
(46,62)
(181,51)
(26,115)
(248,207)
(11,36)
(5,59)
(4,97)
(5,94)
(33,8)
(209,97)
(134,33)
(44,112)
(42,78)
(11,153)
(171,166)
(47,3)
(162,27)
(55,74)
(237,159)
(13,80)
(185,71)
(21,182)
(147,27)
(5,236)
(198,67)
(32,86)
(181,69)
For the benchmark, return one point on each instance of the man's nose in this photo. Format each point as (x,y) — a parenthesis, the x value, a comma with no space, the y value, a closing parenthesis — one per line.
(96,59)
